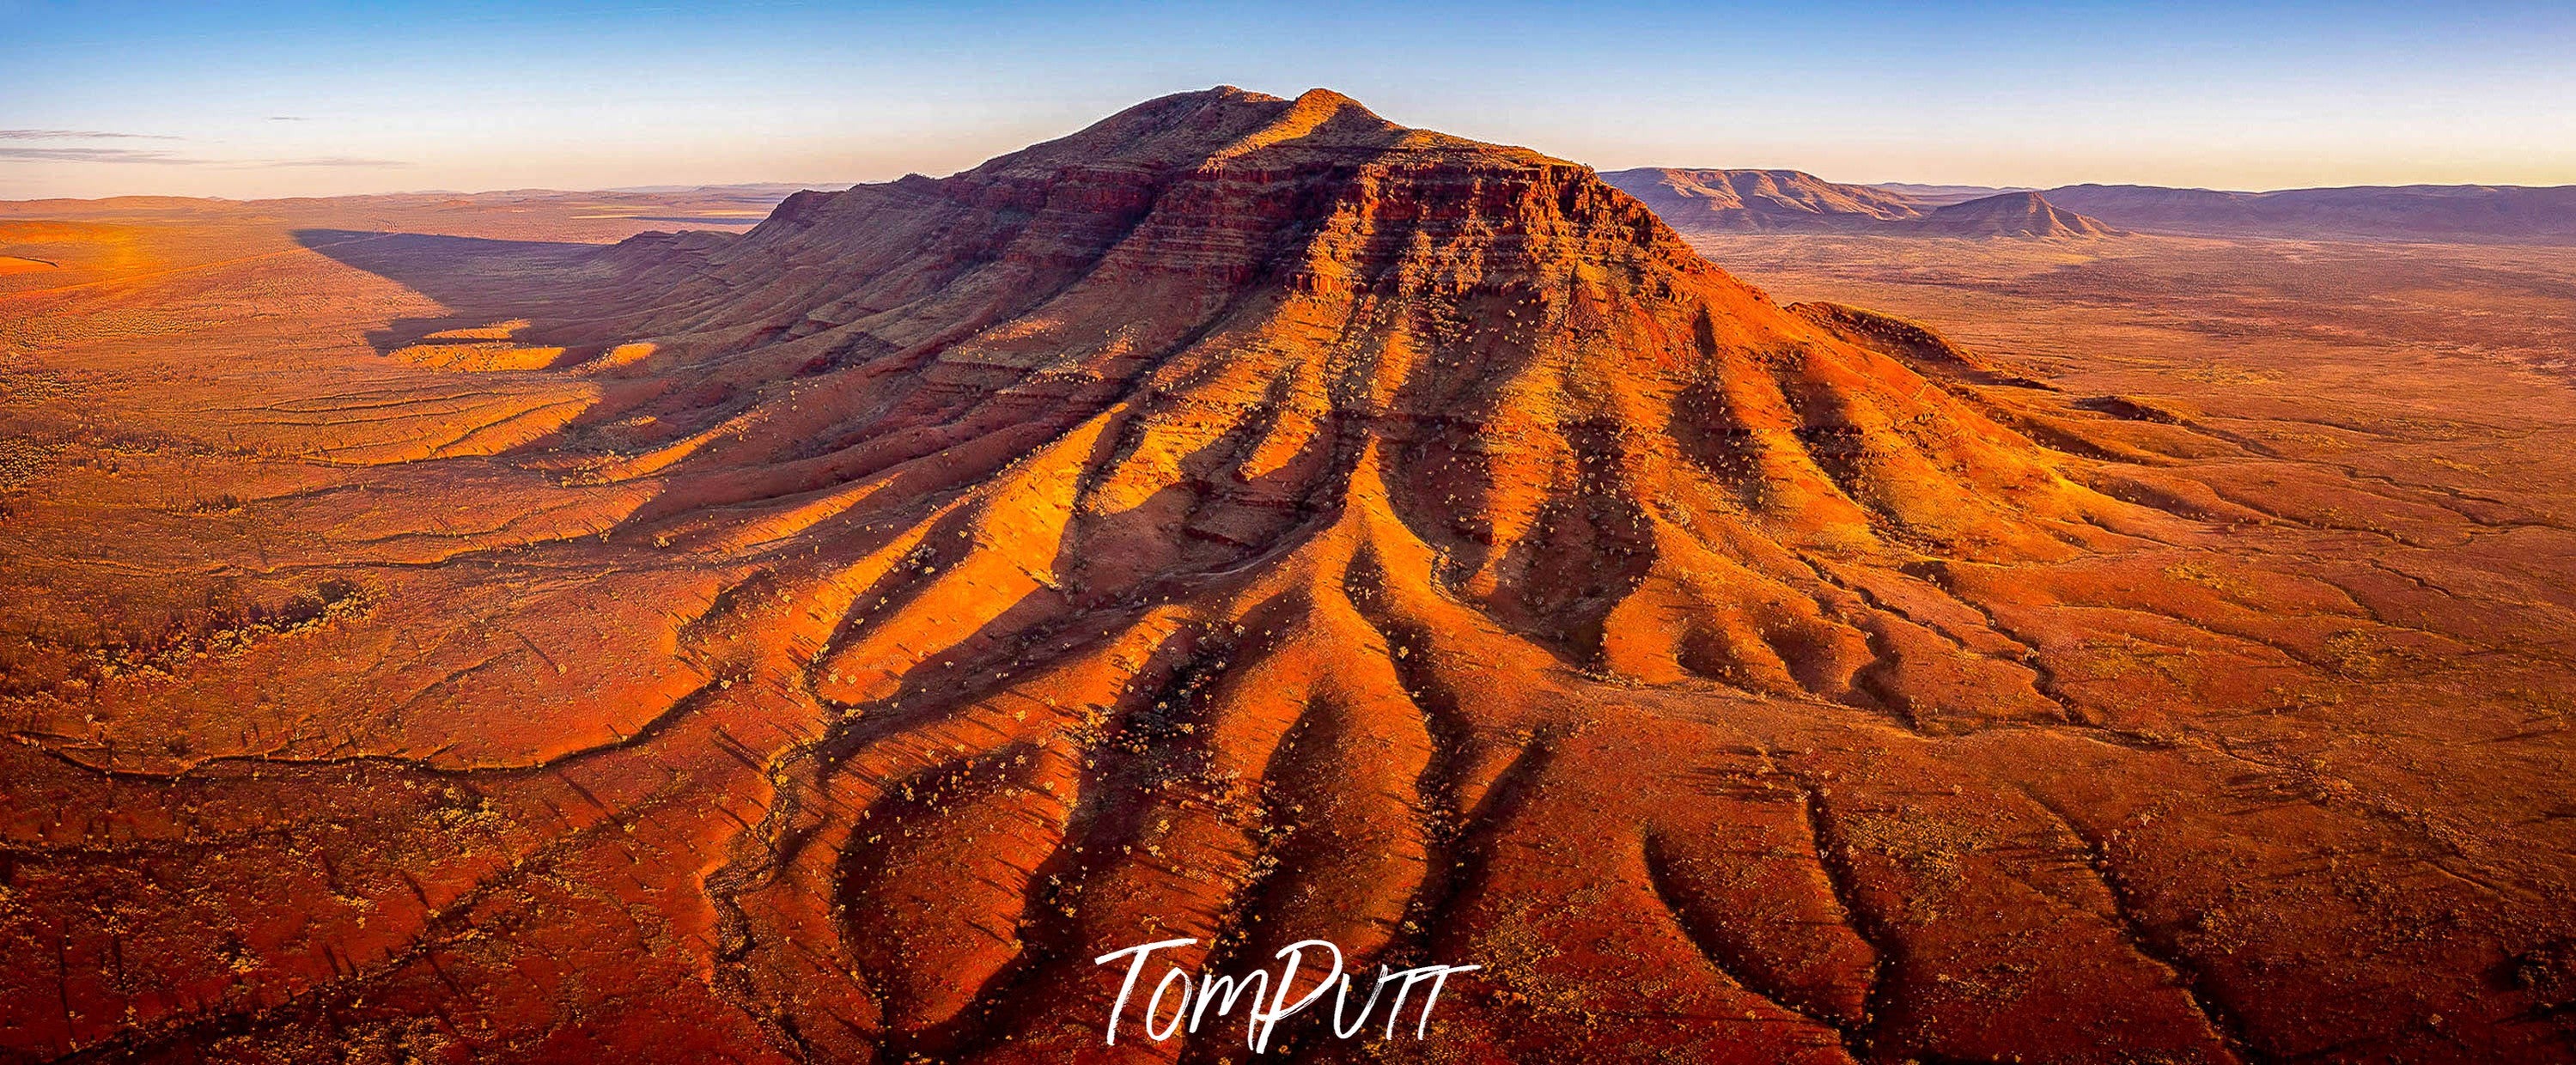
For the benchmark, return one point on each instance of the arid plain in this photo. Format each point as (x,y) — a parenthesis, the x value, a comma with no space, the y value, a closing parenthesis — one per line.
(430,630)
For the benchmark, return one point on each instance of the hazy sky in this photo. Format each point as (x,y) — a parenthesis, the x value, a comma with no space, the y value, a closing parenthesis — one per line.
(288,98)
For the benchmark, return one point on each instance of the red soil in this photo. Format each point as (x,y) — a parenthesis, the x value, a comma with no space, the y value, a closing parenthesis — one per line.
(1245,520)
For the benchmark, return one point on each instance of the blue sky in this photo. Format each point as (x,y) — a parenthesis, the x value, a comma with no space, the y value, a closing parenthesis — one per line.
(311,99)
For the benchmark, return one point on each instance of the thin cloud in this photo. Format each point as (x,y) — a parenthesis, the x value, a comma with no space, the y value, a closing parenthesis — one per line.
(288,118)
(156,157)
(94,155)
(159,158)
(77,135)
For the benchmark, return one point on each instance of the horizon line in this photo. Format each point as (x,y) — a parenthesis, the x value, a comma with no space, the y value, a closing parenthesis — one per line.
(673,187)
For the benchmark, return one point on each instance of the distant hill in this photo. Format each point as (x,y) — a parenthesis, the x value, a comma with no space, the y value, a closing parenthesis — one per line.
(1945,195)
(1767,201)
(2025,215)
(1753,201)
(2500,213)
(773,191)
(1714,200)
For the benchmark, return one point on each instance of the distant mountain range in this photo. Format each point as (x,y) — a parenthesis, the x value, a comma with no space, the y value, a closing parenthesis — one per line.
(1741,201)
(1946,194)
(2499,213)
(1759,201)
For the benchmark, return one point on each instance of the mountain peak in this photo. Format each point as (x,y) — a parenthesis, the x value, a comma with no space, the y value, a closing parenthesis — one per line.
(1323,97)
(1194,128)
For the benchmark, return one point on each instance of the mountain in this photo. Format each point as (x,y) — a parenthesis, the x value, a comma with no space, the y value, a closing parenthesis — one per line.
(2411,212)
(2025,215)
(1758,200)
(1249,486)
